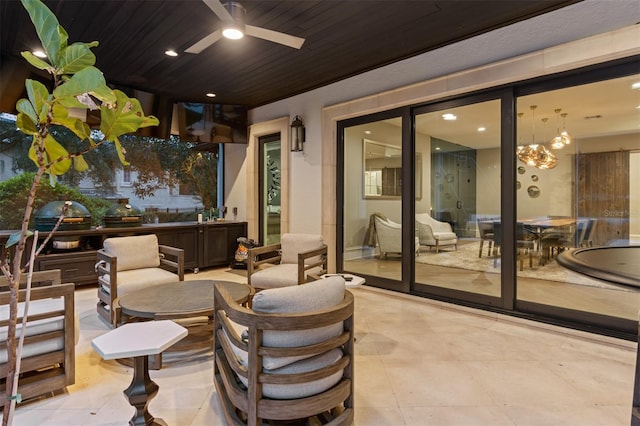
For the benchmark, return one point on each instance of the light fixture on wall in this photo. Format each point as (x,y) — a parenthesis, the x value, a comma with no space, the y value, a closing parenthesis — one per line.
(297,133)
(535,154)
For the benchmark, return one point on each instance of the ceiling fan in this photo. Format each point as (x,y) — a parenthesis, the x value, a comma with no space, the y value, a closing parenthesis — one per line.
(232,15)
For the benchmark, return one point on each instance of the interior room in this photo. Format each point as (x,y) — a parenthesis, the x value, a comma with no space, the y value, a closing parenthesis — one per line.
(448,162)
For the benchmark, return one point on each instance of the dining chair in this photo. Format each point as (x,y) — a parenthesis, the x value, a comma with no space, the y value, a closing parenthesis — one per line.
(525,243)
(486,234)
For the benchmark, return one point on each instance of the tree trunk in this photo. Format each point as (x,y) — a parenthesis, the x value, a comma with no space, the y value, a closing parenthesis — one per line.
(14,287)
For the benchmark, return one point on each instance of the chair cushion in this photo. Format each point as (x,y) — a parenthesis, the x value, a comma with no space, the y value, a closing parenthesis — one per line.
(444,236)
(292,244)
(34,328)
(140,251)
(301,390)
(282,275)
(314,296)
(137,279)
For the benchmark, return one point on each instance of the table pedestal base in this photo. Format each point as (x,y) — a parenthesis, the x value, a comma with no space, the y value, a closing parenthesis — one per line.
(140,393)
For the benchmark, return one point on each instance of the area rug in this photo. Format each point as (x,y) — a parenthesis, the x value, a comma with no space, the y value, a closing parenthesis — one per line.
(466,257)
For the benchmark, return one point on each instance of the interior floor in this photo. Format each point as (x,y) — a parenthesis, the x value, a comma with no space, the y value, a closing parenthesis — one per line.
(417,362)
(616,301)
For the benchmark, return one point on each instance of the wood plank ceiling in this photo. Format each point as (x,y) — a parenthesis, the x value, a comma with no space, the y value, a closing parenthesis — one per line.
(343,38)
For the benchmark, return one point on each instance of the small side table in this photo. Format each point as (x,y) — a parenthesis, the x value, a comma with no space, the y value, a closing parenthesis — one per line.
(139,340)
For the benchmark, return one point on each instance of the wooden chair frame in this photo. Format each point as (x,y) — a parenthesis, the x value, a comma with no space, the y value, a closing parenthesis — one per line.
(271,255)
(246,405)
(171,259)
(50,371)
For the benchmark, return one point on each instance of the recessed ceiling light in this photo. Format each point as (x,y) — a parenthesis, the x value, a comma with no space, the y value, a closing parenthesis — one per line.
(211,95)
(367,132)
(482,129)
(449,117)
(437,148)
(171,52)
(39,54)
(636,85)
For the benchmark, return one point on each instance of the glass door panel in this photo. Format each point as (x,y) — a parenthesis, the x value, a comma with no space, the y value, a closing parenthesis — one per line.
(580,189)
(456,211)
(372,213)
(270,166)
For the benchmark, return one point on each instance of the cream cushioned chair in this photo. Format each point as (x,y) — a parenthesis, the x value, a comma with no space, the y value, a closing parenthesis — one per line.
(389,236)
(433,233)
(139,262)
(296,260)
(290,357)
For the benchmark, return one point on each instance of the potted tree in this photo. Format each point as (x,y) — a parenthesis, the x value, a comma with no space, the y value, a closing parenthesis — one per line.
(76,83)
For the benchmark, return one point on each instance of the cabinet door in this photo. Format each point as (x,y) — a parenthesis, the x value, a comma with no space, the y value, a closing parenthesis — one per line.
(185,238)
(215,245)
(234,231)
(75,267)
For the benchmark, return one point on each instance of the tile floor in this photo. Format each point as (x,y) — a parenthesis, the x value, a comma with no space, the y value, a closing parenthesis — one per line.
(418,362)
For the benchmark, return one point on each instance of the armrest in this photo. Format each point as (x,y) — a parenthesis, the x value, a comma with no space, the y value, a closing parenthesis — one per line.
(304,265)
(107,263)
(176,260)
(259,256)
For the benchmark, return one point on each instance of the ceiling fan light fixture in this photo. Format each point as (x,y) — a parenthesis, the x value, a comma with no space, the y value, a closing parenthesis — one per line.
(234,29)
(232,33)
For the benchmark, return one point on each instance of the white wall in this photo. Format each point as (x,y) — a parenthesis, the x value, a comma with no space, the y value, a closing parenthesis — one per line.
(574,22)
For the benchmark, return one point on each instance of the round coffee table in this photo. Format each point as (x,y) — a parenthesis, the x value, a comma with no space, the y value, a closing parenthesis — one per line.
(190,303)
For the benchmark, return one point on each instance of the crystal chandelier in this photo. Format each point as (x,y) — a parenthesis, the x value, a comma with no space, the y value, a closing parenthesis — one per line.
(535,154)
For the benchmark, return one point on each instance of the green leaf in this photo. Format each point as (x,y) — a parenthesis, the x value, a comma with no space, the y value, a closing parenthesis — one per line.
(36,62)
(15,238)
(61,116)
(121,151)
(32,152)
(25,107)
(76,57)
(70,102)
(26,125)
(39,97)
(126,117)
(55,152)
(87,80)
(80,164)
(52,36)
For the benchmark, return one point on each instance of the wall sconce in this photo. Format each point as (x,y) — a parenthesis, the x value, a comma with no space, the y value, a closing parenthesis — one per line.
(297,133)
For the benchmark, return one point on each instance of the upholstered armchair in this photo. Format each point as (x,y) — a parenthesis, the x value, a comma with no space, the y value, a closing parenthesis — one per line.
(433,233)
(389,236)
(126,264)
(289,357)
(295,260)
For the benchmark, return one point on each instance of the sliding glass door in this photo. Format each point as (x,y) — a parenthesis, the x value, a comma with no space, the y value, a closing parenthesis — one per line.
(458,201)
(372,238)
(472,199)
(579,188)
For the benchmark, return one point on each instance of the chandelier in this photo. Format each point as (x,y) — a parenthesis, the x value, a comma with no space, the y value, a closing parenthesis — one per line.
(562,138)
(535,154)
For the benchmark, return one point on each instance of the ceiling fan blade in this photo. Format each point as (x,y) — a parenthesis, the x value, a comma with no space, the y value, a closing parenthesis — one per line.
(205,42)
(274,36)
(218,9)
